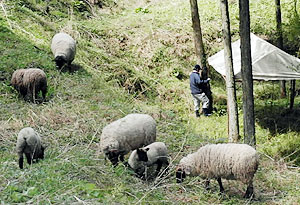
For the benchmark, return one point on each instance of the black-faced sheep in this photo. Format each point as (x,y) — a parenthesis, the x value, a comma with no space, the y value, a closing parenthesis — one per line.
(128,133)
(29,143)
(228,161)
(29,82)
(63,47)
(153,154)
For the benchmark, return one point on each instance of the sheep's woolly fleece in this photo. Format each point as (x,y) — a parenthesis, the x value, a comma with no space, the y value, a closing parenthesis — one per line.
(228,161)
(157,151)
(128,133)
(29,81)
(63,45)
(28,141)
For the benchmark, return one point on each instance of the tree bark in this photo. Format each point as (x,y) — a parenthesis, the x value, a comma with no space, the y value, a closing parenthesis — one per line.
(247,78)
(199,47)
(233,120)
(280,43)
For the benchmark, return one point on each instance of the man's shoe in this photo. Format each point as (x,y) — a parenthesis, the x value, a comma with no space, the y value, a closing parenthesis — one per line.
(206,113)
(197,113)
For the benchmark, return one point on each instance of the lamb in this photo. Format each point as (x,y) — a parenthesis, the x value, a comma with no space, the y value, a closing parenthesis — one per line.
(141,158)
(229,161)
(128,133)
(29,143)
(63,47)
(29,82)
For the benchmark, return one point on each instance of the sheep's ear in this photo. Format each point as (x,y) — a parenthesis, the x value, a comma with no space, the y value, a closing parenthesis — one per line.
(187,171)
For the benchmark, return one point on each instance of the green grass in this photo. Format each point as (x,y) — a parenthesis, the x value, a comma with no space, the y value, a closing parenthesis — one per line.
(133,57)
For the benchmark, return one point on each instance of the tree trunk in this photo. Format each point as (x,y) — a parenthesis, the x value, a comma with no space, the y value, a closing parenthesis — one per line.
(247,78)
(199,47)
(200,53)
(280,43)
(233,120)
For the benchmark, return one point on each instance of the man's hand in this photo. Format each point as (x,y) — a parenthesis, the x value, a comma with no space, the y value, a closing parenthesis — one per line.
(208,79)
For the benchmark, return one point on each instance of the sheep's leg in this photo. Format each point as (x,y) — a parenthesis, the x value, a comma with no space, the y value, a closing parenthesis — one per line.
(23,93)
(166,170)
(34,94)
(44,91)
(220,184)
(28,157)
(249,192)
(207,184)
(69,67)
(159,166)
(21,160)
(29,96)
(122,158)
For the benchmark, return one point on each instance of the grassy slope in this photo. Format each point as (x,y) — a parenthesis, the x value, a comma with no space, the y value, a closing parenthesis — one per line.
(143,52)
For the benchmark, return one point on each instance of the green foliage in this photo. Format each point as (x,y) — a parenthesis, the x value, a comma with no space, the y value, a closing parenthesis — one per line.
(79,5)
(285,147)
(142,10)
(292,31)
(135,56)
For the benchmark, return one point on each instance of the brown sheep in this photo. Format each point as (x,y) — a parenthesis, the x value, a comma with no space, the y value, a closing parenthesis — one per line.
(29,82)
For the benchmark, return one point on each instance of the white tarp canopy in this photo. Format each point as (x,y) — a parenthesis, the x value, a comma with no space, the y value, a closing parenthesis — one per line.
(268,61)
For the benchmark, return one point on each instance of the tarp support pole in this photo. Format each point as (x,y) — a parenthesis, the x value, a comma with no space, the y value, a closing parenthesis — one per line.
(292,96)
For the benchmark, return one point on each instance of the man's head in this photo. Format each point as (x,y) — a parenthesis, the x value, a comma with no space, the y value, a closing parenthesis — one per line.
(197,67)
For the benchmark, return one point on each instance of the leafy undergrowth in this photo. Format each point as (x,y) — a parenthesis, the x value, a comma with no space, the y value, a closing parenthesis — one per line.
(133,56)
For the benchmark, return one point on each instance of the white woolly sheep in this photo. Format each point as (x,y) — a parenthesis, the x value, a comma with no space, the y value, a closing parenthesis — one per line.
(141,158)
(228,161)
(29,143)
(63,47)
(29,82)
(128,133)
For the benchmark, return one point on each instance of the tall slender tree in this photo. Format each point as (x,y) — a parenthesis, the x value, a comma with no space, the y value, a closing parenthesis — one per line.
(293,82)
(199,47)
(233,120)
(280,42)
(247,78)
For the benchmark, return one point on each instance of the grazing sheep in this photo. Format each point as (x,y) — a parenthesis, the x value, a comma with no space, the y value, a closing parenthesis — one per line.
(29,82)
(63,47)
(128,133)
(229,161)
(141,158)
(29,143)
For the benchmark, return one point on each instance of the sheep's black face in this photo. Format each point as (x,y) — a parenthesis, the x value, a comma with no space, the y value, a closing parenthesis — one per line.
(41,154)
(113,157)
(142,155)
(180,175)
(60,61)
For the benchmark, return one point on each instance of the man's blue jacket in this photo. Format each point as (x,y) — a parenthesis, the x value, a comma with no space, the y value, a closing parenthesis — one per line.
(196,84)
